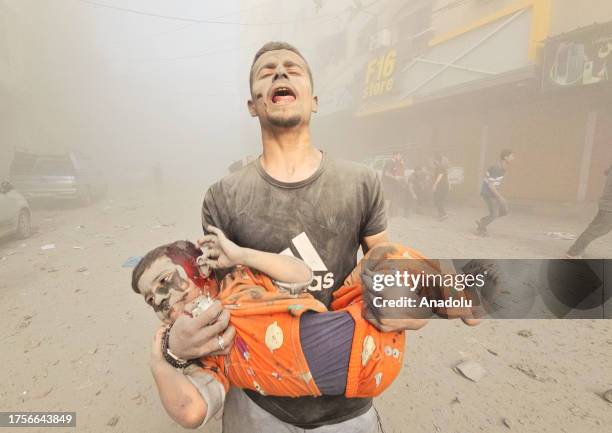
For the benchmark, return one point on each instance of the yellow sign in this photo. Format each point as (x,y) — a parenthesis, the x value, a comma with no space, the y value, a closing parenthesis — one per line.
(379,75)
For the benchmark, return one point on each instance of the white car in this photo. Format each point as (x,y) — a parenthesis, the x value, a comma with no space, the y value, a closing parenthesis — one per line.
(14,212)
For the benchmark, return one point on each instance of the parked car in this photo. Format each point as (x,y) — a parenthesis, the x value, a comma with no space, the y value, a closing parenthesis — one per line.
(14,212)
(70,175)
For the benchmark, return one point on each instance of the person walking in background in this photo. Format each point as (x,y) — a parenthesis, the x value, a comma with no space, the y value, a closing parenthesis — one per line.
(601,224)
(496,203)
(419,185)
(441,187)
(394,186)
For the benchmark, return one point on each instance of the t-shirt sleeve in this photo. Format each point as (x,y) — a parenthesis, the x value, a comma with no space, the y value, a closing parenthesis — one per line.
(375,217)
(211,388)
(213,211)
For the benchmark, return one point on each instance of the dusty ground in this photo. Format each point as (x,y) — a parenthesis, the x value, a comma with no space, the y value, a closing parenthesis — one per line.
(75,338)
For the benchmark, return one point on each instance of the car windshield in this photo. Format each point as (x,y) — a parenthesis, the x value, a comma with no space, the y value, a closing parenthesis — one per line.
(23,163)
(54,167)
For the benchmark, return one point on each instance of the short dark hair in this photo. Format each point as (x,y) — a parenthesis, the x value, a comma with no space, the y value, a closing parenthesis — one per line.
(183,253)
(275,46)
(505,153)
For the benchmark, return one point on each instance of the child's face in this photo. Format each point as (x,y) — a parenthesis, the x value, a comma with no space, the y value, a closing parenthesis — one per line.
(166,287)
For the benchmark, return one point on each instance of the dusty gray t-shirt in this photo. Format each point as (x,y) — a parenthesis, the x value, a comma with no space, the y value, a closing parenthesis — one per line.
(321,220)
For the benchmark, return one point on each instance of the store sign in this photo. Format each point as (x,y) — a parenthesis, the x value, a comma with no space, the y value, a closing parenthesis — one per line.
(580,58)
(379,75)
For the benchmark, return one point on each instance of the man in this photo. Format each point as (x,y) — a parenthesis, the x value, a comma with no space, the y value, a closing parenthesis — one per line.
(293,200)
(297,200)
(441,186)
(394,186)
(496,203)
(420,187)
(601,224)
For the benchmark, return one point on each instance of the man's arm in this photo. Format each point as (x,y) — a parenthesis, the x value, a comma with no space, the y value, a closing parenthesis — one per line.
(370,242)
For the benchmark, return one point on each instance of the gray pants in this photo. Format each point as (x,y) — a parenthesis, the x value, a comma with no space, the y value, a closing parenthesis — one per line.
(600,226)
(241,415)
(496,210)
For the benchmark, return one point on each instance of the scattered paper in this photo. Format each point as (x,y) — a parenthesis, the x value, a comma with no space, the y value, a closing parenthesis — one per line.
(131,262)
(564,236)
(471,369)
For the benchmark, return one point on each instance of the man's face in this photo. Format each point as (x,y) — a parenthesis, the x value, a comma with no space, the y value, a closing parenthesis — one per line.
(166,287)
(508,159)
(281,91)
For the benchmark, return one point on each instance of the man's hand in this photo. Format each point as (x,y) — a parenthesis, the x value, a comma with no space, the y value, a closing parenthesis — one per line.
(385,319)
(192,338)
(220,252)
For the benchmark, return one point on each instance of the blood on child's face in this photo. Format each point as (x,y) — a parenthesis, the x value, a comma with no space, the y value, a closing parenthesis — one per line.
(167,288)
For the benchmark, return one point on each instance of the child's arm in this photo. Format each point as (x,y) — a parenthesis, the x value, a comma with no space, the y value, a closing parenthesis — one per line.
(179,396)
(224,253)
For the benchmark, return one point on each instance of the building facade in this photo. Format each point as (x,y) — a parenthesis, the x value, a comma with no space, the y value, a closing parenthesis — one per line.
(466,78)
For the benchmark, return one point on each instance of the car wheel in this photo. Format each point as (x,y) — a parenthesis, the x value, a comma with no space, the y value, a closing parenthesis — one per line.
(24,226)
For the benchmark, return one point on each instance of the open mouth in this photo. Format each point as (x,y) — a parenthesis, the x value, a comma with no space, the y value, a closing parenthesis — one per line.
(283,95)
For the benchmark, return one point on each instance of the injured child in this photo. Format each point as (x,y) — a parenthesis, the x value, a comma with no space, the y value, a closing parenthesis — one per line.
(287,343)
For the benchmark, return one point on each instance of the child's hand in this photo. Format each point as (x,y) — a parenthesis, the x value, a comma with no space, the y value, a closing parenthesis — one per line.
(221,252)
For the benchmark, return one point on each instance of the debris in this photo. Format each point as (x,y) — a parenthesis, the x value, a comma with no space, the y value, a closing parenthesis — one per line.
(507,423)
(25,322)
(10,253)
(123,226)
(471,370)
(456,400)
(82,269)
(139,399)
(528,371)
(76,247)
(51,270)
(525,333)
(564,236)
(492,352)
(108,243)
(113,421)
(44,394)
(48,247)
(23,245)
(607,395)
(131,262)
(80,226)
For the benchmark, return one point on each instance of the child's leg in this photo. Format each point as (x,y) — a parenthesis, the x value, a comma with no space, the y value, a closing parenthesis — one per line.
(390,257)
(383,257)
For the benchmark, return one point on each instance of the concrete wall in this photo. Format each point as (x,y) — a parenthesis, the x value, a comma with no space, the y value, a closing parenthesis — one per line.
(567,15)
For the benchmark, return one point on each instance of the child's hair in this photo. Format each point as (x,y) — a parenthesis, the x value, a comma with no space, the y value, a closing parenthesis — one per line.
(182,253)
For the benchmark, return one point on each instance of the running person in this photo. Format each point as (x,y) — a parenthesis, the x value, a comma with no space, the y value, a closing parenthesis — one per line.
(495,201)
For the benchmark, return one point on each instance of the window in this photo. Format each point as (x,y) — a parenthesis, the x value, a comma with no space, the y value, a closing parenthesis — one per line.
(54,167)
(414,29)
